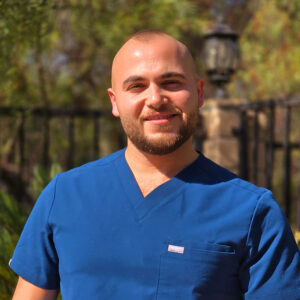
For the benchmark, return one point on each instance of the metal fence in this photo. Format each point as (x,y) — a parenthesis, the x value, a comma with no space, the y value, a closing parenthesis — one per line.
(265,129)
(269,150)
(33,131)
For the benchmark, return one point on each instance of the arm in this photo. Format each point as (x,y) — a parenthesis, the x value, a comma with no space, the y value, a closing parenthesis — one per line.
(35,259)
(27,291)
(272,267)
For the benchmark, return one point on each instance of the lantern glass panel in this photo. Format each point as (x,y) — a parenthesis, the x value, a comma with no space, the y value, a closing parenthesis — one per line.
(211,53)
(221,54)
(222,61)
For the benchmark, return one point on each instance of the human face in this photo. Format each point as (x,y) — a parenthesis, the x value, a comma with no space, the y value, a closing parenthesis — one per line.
(155,94)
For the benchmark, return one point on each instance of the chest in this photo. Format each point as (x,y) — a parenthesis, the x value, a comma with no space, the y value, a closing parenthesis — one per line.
(126,250)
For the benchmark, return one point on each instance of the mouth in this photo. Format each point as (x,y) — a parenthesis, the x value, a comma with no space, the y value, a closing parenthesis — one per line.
(160,116)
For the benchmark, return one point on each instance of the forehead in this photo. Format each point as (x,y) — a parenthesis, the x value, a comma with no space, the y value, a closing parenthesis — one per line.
(152,58)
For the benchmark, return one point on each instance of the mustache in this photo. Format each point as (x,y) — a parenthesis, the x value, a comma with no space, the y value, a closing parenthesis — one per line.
(171,111)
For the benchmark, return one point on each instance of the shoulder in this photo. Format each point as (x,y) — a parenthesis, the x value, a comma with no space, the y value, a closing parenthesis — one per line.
(102,162)
(216,175)
(73,189)
(90,176)
(99,166)
(231,194)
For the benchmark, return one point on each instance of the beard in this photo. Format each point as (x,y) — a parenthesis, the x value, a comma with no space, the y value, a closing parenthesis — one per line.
(168,142)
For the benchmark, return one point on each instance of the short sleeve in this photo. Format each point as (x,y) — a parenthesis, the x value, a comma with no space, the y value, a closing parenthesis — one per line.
(35,258)
(272,267)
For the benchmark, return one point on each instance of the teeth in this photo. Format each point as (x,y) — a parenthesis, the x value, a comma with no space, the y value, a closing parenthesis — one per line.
(159,117)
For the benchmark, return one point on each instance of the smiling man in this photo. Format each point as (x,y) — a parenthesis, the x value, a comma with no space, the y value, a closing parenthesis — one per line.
(156,93)
(156,220)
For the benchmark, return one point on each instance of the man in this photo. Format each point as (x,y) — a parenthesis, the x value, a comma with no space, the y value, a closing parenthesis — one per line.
(156,220)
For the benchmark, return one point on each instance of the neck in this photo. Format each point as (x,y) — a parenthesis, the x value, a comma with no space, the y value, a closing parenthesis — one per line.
(151,170)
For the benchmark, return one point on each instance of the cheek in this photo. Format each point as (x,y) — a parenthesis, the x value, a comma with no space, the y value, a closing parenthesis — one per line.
(185,100)
(129,106)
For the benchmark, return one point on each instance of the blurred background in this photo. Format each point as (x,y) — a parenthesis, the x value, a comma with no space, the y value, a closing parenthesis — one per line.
(55,61)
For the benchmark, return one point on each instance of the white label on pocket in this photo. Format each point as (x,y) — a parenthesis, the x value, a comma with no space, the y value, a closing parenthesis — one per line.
(176,249)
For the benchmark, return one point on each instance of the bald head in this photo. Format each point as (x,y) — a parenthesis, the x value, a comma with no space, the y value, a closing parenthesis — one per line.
(152,39)
(155,92)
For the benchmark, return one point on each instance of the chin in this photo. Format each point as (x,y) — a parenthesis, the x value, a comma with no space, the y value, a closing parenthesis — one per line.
(162,145)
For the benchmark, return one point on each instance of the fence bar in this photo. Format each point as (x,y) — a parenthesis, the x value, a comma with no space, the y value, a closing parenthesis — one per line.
(22,144)
(46,137)
(270,147)
(286,162)
(71,140)
(298,209)
(255,146)
(96,137)
(243,145)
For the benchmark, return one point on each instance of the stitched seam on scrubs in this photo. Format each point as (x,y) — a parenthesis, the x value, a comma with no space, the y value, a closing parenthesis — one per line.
(26,272)
(53,199)
(250,230)
(158,280)
(259,191)
(282,295)
(232,180)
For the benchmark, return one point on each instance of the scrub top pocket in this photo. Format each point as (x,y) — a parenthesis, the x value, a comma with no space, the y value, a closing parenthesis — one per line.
(198,273)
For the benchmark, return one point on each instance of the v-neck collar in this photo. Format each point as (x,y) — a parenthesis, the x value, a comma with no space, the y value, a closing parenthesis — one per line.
(142,206)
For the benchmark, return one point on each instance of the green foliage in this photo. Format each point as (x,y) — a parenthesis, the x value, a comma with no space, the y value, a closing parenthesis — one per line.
(24,26)
(42,176)
(12,220)
(271,52)
(59,53)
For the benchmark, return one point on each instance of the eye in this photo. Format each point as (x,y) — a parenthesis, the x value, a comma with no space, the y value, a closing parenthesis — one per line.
(136,86)
(172,84)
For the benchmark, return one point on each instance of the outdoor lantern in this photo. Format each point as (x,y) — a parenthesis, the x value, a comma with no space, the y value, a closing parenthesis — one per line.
(221,55)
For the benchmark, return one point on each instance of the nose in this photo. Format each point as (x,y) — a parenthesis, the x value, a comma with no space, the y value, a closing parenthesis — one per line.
(155,97)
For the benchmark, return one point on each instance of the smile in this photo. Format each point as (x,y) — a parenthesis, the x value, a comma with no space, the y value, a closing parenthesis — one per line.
(160,116)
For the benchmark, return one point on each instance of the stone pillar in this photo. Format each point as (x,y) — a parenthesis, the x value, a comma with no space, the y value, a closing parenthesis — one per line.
(219,119)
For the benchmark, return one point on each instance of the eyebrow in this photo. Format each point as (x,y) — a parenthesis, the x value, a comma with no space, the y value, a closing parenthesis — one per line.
(135,78)
(131,79)
(173,74)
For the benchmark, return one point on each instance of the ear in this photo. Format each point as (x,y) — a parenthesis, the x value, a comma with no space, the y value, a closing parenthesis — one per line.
(200,89)
(112,97)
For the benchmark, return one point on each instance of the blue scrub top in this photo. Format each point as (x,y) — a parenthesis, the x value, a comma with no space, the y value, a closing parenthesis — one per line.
(204,234)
